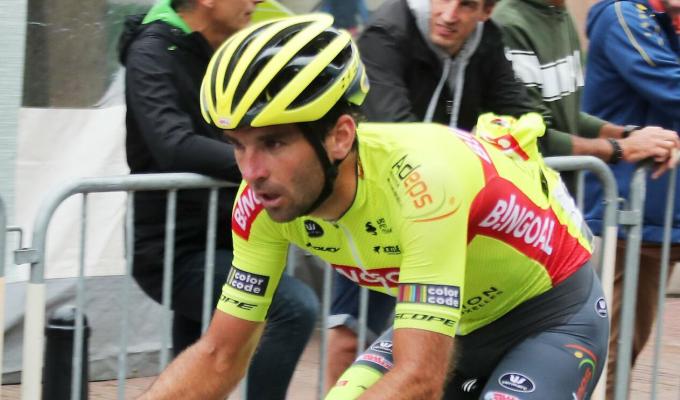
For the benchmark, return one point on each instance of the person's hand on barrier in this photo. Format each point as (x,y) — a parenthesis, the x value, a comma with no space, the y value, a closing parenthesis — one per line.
(652,142)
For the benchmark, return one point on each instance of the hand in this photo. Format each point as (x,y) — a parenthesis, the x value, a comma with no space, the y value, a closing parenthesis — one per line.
(652,142)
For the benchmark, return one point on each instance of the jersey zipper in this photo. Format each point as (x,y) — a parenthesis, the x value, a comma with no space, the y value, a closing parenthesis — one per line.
(355,252)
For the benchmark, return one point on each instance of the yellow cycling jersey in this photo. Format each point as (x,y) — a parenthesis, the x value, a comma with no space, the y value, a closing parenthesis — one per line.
(461,228)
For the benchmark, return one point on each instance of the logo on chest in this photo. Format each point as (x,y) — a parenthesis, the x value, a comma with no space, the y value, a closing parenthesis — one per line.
(385,277)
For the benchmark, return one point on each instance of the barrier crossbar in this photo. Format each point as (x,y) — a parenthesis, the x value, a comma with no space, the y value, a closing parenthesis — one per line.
(31,388)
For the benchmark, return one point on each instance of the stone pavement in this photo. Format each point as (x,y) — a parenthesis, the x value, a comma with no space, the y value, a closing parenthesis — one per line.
(304,381)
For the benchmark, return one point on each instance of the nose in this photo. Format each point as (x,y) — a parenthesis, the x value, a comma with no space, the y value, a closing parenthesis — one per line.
(450,12)
(253,166)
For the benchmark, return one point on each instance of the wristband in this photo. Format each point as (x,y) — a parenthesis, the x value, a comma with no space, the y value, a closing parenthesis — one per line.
(617,151)
(628,129)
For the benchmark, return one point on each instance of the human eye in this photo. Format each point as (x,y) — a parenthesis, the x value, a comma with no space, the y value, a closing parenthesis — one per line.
(273,143)
(469,4)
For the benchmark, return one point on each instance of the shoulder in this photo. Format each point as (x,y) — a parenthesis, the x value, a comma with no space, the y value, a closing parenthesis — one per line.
(393,17)
(635,16)
(511,14)
(151,47)
(424,165)
(492,41)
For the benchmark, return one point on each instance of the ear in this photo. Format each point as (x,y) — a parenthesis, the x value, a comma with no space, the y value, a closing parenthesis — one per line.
(341,138)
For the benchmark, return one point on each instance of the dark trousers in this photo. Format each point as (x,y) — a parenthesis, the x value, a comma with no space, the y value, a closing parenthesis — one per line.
(291,319)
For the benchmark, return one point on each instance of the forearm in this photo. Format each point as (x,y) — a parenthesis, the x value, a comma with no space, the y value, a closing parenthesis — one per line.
(421,364)
(611,131)
(599,148)
(406,383)
(204,371)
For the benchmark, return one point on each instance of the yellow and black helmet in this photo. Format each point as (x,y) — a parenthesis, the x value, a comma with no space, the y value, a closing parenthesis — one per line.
(282,71)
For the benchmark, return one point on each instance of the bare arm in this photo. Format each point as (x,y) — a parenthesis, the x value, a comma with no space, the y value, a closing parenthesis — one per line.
(649,142)
(421,365)
(212,367)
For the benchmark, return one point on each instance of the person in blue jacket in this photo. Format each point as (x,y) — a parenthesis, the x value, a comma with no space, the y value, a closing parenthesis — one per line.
(633,79)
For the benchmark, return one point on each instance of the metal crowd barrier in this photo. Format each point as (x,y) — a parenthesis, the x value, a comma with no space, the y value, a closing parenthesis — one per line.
(33,358)
(633,217)
(609,226)
(35,305)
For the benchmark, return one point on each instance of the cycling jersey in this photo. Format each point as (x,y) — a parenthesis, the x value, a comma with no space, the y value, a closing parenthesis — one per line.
(460,228)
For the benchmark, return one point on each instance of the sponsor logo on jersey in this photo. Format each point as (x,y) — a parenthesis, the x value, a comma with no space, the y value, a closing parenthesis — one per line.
(246,209)
(425,317)
(469,385)
(237,303)
(383,346)
(313,229)
(587,365)
(601,307)
(371,229)
(328,249)
(517,382)
(390,250)
(381,362)
(382,224)
(385,277)
(413,184)
(475,303)
(441,295)
(499,396)
(519,218)
(247,281)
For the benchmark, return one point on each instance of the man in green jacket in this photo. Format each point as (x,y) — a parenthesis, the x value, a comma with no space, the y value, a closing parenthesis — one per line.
(544,47)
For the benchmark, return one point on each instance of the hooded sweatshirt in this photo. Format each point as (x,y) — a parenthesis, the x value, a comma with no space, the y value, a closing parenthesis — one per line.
(414,80)
(165,63)
(633,76)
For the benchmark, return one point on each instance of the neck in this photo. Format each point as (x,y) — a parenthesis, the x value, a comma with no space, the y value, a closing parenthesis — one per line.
(198,20)
(344,190)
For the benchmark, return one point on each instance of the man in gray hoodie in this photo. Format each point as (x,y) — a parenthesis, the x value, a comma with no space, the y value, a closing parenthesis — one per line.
(427,60)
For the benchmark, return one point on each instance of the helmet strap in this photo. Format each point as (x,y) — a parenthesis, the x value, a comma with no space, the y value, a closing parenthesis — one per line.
(330,172)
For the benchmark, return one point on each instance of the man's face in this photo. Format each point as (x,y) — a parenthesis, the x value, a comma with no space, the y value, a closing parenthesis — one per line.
(233,15)
(452,22)
(673,7)
(281,166)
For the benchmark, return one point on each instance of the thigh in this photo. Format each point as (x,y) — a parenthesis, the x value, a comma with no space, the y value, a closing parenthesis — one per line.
(563,362)
(345,307)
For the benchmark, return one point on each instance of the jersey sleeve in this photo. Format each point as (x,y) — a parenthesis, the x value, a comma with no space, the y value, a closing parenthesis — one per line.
(260,251)
(435,202)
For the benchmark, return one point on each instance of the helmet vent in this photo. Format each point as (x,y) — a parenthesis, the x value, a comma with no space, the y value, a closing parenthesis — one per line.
(269,50)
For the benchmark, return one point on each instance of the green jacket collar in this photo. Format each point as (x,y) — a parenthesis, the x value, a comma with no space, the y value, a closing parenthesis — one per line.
(162,11)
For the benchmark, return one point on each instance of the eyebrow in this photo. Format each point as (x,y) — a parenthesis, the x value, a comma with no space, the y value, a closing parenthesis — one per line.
(275,135)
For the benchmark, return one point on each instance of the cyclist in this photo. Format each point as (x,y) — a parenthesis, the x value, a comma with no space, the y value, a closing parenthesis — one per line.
(475,237)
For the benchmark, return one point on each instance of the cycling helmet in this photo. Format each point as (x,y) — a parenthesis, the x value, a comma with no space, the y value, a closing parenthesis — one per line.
(282,71)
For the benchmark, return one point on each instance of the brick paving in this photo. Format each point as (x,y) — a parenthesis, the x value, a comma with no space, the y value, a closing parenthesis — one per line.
(303,386)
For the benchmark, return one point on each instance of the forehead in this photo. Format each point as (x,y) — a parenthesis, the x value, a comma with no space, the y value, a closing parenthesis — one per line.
(264,132)
(468,2)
